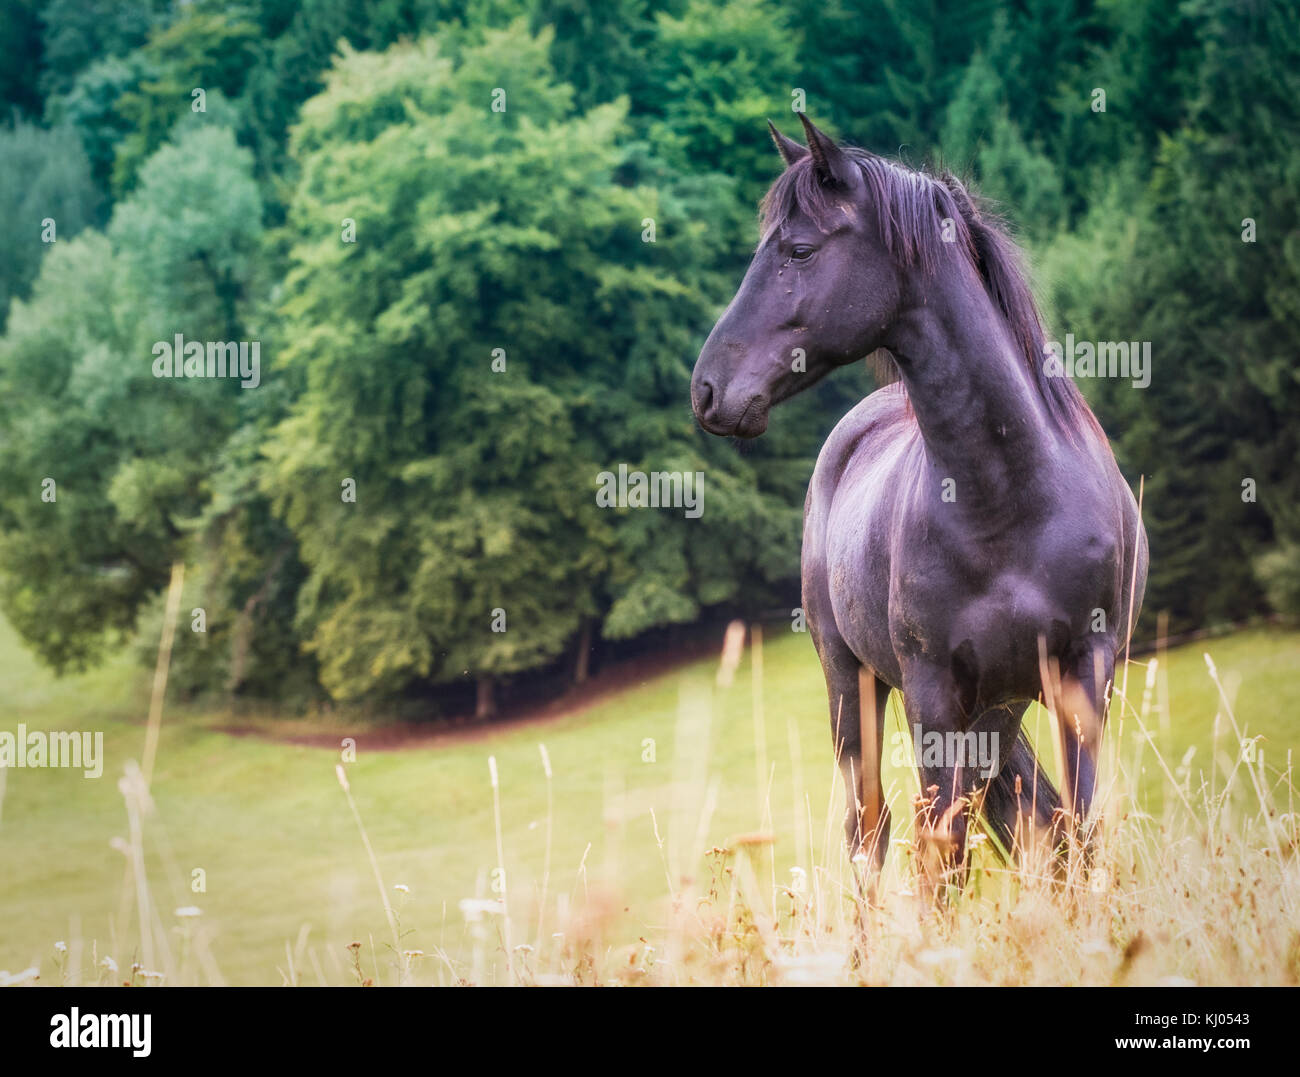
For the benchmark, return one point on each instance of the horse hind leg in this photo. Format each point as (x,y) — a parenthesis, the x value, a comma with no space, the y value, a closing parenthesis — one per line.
(870,838)
(858,699)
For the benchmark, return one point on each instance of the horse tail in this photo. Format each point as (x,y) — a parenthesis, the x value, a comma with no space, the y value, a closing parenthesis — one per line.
(1021,789)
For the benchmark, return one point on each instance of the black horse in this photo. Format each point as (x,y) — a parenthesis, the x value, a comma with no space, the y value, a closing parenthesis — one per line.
(968,537)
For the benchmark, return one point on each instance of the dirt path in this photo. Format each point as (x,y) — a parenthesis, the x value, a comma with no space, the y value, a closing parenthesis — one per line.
(398,735)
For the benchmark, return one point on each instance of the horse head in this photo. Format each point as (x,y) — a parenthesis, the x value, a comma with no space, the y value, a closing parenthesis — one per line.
(820,292)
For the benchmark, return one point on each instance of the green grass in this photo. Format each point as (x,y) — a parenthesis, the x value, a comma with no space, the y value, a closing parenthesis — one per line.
(286,870)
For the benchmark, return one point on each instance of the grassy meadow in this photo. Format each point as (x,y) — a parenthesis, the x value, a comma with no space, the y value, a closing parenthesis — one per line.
(677,832)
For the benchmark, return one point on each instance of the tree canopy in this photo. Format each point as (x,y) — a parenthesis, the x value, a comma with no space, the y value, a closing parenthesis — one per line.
(478,245)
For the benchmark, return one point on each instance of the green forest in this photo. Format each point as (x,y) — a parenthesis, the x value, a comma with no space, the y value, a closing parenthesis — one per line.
(478,245)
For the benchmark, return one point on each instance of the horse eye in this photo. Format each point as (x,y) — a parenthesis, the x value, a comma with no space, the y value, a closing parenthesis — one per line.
(802,252)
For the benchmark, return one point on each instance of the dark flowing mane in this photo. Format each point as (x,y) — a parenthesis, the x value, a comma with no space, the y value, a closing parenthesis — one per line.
(911,207)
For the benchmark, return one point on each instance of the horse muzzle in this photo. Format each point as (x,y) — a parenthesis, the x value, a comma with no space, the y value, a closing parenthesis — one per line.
(716,413)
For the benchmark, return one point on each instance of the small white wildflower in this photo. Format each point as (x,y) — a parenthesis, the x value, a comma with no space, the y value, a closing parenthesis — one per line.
(7,980)
(402,888)
(109,964)
(412,953)
(187,911)
(62,947)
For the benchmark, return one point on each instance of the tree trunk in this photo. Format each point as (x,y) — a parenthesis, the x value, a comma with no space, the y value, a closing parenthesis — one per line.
(582,667)
(486,707)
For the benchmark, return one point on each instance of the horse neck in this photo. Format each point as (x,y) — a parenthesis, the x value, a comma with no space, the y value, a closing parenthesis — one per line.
(983,421)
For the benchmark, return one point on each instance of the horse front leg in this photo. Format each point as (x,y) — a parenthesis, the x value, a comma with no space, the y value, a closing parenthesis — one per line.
(1079,697)
(946,742)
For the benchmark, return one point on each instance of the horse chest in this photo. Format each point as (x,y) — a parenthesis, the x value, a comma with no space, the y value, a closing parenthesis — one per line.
(1009,608)
(1016,584)
(983,617)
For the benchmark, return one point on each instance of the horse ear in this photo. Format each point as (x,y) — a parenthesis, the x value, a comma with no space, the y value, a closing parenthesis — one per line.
(788,148)
(833,164)
(969,207)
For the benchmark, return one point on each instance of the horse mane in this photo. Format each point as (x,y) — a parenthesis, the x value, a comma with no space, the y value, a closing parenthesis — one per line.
(911,207)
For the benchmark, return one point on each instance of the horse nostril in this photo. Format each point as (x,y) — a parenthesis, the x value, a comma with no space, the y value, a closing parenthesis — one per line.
(704,398)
